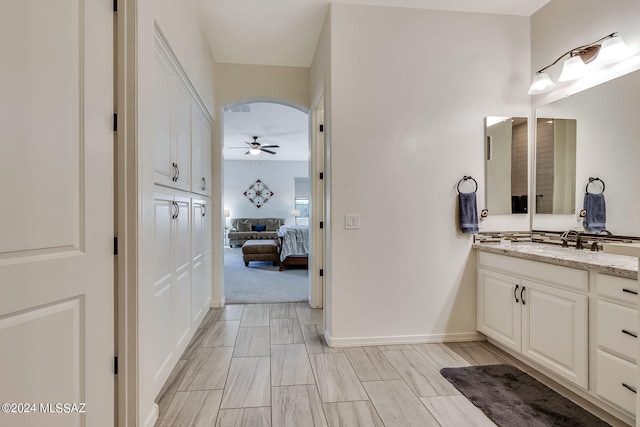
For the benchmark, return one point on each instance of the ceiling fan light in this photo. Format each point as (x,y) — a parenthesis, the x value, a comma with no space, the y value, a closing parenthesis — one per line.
(541,83)
(254,151)
(573,69)
(613,49)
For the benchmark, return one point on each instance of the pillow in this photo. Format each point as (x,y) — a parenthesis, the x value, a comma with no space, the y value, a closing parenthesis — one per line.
(259,227)
(244,225)
(272,224)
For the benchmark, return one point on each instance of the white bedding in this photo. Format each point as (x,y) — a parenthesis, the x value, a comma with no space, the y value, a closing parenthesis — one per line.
(295,240)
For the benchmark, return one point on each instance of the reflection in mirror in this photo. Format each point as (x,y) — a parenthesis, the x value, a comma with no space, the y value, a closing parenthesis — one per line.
(506,160)
(608,147)
(555,166)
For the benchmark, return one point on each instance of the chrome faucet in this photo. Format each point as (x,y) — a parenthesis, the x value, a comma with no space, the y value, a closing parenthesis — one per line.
(565,238)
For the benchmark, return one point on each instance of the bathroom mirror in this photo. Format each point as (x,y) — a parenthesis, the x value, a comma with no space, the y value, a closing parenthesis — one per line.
(506,161)
(607,146)
(555,166)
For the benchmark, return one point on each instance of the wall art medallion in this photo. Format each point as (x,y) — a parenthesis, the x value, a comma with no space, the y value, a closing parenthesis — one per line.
(258,193)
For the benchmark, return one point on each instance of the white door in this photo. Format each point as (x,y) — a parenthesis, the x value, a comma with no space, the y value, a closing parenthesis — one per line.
(56,221)
(499,313)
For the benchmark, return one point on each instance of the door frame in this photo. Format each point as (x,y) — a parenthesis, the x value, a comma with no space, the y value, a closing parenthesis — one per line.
(126,213)
(315,288)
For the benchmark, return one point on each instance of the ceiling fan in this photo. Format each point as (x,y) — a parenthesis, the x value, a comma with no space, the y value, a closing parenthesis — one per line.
(255,147)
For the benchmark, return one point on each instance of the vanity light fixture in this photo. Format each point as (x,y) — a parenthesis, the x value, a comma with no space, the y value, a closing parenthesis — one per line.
(608,49)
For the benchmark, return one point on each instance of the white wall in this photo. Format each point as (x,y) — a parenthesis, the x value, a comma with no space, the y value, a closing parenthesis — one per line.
(278,175)
(409,93)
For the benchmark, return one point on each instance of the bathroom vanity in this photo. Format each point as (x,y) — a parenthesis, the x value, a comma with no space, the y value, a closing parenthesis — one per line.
(571,314)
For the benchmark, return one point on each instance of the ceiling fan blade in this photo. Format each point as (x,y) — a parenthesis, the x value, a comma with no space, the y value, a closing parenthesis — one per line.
(246,152)
(244,148)
(270,146)
(268,151)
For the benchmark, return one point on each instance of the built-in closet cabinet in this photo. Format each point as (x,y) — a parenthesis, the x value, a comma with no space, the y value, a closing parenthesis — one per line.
(542,315)
(181,293)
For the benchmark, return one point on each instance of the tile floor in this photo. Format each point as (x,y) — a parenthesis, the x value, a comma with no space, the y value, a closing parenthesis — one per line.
(260,365)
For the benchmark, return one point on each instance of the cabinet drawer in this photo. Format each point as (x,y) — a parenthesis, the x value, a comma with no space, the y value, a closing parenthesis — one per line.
(617,288)
(611,321)
(566,277)
(612,373)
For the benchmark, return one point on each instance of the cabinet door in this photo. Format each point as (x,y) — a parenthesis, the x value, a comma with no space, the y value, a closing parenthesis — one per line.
(182,142)
(162,345)
(197,237)
(499,313)
(200,152)
(163,170)
(554,330)
(182,282)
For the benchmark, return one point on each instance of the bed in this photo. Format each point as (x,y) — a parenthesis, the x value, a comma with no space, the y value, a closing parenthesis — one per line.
(294,246)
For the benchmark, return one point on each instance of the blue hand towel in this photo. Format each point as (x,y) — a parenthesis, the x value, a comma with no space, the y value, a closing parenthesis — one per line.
(596,217)
(468,213)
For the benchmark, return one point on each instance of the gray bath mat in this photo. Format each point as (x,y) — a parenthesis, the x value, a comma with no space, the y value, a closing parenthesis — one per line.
(511,398)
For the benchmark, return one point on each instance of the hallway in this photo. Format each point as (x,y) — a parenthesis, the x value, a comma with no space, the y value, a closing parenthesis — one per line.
(266,364)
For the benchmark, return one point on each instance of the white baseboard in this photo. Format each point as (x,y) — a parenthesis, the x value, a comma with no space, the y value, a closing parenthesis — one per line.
(218,304)
(153,416)
(403,339)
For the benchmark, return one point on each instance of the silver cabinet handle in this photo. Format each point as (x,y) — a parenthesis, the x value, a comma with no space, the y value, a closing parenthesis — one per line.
(629,291)
(515,290)
(204,184)
(177,172)
(177,212)
(204,210)
(628,387)
(174,165)
(522,297)
(624,331)
(173,212)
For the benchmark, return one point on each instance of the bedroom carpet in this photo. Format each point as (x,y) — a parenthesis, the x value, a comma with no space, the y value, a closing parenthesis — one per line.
(511,398)
(261,282)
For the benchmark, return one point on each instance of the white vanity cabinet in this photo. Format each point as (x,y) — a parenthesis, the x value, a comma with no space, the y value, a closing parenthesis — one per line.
(540,313)
(616,323)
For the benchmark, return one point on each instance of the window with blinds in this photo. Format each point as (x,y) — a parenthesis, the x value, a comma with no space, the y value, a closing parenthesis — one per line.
(302,194)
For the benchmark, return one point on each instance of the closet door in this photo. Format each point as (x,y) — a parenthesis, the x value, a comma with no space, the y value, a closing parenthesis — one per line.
(201,152)
(56,227)
(162,347)
(182,137)
(199,213)
(182,272)
(164,170)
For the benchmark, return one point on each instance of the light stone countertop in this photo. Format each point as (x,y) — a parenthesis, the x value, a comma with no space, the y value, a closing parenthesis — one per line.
(602,262)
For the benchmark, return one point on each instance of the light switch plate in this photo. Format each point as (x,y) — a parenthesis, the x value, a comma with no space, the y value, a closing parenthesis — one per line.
(352,221)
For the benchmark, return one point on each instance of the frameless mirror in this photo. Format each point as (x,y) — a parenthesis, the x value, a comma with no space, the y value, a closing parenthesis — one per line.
(506,161)
(555,166)
(607,146)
